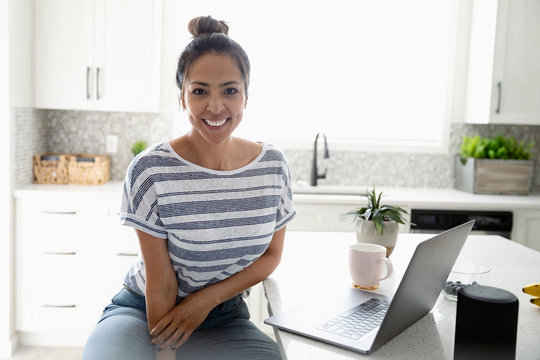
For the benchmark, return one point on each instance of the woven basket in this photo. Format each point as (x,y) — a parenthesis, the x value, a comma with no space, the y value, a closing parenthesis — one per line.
(88,169)
(51,169)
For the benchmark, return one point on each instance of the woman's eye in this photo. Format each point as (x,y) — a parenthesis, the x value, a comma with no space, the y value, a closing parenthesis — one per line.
(198,91)
(231,91)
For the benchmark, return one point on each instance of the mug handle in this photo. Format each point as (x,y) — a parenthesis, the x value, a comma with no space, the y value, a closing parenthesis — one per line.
(389,268)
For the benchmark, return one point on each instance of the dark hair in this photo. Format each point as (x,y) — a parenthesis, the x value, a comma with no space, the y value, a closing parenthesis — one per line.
(210,36)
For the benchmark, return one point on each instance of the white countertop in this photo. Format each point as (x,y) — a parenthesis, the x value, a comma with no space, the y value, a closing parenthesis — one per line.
(315,261)
(428,198)
(109,189)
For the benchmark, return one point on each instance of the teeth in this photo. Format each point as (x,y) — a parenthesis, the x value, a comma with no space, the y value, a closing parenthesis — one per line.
(215,123)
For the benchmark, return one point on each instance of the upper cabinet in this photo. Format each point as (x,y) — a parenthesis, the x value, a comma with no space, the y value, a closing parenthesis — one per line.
(504,68)
(98,55)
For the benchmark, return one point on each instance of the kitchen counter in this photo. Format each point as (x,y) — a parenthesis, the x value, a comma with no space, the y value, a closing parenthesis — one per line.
(111,188)
(432,198)
(427,198)
(315,262)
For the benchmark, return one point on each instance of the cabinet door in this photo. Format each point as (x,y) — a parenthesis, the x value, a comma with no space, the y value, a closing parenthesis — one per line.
(127,55)
(526,228)
(517,67)
(98,55)
(63,53)
(504,71)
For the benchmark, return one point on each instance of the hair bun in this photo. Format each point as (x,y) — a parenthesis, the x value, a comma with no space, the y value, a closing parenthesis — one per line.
(207,25)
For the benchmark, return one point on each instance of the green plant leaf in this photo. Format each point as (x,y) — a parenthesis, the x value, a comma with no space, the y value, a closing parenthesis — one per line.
(498,147)
(378,213)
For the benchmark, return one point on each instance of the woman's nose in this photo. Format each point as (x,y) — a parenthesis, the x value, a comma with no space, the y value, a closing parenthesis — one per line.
(215,104)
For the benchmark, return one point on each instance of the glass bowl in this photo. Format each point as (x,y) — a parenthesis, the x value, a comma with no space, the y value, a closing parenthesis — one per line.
(464,273)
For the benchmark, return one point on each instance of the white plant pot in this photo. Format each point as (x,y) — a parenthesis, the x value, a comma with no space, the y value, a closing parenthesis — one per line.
(366,232)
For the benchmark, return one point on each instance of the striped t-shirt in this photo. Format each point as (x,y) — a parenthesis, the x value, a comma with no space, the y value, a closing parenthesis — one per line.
(216,222)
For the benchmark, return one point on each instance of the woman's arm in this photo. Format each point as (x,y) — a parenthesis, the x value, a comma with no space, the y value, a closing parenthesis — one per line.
(178,325)
(161,283)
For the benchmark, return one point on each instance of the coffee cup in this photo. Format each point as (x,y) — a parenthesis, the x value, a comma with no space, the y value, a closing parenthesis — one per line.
(367,264)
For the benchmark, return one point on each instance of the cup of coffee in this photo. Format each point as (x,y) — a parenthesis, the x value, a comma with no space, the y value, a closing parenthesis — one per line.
(367,264)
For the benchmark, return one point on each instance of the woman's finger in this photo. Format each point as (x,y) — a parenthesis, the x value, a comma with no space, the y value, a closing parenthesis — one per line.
(160,326)
(182,340)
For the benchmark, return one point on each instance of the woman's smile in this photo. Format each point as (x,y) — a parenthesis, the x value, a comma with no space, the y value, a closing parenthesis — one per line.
(216,123)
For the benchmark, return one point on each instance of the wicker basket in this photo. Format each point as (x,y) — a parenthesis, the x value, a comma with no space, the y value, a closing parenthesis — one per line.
(51,169)
(88,169)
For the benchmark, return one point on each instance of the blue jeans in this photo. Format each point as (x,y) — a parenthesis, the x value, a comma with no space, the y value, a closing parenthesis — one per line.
(122,333)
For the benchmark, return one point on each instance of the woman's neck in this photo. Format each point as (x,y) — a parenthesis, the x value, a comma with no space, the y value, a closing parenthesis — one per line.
(228,155)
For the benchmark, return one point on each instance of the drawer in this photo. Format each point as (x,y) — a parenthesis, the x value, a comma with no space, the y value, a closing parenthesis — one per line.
(60,213)
(53,305)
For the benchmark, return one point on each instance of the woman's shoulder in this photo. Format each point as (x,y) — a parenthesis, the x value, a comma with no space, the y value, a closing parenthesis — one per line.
(273,153)
(151,159)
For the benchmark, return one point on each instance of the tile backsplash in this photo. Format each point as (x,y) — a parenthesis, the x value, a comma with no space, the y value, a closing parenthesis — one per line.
(55,131)
(39,131)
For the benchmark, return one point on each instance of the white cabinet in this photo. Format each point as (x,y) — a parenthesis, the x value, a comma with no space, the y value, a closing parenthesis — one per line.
(323,216)
(504,71)
(72,254)
(98,54)
(526,228)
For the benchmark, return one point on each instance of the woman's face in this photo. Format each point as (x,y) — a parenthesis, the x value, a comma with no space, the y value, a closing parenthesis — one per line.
(214,97)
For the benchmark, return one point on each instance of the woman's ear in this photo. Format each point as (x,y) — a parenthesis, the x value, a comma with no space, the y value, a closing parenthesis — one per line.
(182,101)
(245,102)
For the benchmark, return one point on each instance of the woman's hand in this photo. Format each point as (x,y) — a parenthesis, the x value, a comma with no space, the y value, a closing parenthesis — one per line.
(173,330)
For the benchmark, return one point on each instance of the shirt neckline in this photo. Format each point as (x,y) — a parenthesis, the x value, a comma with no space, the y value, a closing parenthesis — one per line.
(219,172)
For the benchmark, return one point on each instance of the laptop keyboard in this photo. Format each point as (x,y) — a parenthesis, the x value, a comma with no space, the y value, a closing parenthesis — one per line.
(359,320)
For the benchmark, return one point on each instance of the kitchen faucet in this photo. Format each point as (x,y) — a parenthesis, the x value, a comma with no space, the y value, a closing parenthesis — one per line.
(314,172)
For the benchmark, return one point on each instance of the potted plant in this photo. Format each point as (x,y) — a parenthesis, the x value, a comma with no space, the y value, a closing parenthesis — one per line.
(377,223)
(498,165)
(138,147)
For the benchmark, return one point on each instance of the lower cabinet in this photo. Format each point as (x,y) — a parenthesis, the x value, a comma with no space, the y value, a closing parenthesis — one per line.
(312,216)
(72,254)
(526,227)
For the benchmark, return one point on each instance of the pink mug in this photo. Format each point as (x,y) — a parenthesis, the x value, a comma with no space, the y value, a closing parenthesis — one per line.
(367,263)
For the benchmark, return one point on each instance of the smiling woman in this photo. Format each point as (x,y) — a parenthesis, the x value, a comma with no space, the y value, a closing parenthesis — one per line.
(210,211)
(364,72)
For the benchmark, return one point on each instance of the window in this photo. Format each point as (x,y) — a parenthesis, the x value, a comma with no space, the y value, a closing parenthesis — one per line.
(369,74)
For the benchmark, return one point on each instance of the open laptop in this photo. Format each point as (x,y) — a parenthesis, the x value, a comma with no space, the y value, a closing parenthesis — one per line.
(332,318)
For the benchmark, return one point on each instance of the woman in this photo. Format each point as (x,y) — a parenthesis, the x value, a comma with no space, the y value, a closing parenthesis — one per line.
(210,211)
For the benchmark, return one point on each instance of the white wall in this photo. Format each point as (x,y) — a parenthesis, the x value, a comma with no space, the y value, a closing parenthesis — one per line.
(16,90)
(6,242)
(21,27)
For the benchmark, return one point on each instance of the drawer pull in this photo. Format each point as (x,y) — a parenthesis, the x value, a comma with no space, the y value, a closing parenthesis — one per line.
(50,212)
(46,252)
(62,306)
(121,253)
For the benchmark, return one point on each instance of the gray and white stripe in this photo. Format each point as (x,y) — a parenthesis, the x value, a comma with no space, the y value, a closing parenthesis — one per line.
(216,223)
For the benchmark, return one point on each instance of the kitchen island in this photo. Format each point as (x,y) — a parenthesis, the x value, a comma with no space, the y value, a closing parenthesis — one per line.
(316,262)
(47,216)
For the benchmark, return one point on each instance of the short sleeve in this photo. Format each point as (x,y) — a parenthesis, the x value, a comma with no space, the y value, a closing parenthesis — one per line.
(139,201)
(285,210)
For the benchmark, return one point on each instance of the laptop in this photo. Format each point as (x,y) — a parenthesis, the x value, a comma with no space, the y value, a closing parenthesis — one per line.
(363,321)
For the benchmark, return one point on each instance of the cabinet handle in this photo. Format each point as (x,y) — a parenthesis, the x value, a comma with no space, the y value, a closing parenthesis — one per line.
(98,95)
(121,253)
(46,252)
(88,79)
(50,212)
(499,95)
(63,306)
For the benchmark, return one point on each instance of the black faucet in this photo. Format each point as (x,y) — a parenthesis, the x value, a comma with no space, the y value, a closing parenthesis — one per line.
(314,172)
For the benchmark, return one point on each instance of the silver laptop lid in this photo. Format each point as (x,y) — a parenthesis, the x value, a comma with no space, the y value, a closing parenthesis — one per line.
(423,281)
